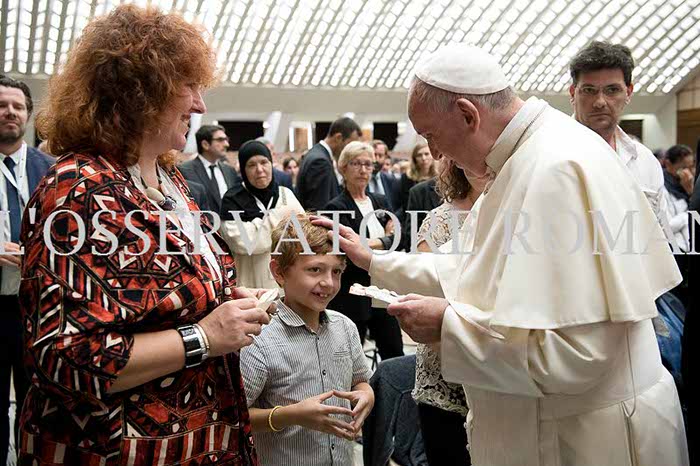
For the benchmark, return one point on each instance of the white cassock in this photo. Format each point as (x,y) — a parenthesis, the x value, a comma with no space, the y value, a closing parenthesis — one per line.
(555,350)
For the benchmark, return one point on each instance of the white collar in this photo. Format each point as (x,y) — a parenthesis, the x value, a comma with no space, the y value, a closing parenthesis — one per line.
(510,136)
(327,147)
(625,146)
(15,155)
(205,162)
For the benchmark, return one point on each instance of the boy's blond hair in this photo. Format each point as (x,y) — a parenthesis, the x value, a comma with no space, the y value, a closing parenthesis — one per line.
(288,251)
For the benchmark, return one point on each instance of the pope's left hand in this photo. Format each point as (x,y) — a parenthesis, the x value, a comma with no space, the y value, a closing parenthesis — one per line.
(420,316)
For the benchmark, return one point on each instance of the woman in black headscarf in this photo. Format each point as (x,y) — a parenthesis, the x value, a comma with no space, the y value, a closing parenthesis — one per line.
(250,211)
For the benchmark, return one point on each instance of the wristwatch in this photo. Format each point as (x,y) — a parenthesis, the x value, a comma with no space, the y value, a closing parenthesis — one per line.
(196,349)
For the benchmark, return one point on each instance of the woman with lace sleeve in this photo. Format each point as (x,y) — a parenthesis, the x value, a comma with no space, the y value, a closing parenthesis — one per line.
(442,405)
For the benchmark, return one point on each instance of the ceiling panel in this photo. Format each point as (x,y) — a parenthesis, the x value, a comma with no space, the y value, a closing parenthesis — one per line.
(375,44)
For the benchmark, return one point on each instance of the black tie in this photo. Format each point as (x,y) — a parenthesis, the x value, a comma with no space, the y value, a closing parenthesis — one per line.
(13,202)
(214,184)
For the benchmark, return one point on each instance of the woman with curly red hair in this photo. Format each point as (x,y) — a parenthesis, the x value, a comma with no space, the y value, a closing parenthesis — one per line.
(132,353)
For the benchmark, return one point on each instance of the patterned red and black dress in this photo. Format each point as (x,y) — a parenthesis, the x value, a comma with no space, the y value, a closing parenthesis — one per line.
(81,311)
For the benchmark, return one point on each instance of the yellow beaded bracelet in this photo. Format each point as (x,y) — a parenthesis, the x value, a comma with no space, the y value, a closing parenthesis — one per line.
(269,419)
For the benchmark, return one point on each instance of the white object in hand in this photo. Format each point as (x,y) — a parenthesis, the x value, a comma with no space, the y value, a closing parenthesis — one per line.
(267,299)
(381,294)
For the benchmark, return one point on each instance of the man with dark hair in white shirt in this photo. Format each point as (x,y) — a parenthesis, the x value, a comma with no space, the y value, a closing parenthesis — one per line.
(601,89)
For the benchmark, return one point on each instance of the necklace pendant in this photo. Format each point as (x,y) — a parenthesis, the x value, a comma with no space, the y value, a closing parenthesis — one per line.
(168,203)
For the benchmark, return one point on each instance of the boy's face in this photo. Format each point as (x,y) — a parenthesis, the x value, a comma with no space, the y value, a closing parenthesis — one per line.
(311,282)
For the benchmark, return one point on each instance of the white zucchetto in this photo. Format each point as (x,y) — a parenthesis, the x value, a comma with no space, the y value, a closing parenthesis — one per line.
(463,69)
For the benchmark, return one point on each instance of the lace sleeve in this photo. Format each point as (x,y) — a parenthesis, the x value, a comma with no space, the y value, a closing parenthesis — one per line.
(439,231)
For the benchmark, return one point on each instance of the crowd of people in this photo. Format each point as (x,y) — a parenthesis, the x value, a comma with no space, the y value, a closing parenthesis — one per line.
(121,354)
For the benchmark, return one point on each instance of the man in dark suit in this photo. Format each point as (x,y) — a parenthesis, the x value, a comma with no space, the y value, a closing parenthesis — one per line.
(381,182)
(282,178)
(21,169)
(317,182)
(199,194)
(209,168)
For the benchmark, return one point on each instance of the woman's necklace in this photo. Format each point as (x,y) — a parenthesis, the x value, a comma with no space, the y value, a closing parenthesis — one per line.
(165,202)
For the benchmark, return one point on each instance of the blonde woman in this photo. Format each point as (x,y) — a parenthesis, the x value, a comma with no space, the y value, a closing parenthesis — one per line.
(356,164)
(422,168)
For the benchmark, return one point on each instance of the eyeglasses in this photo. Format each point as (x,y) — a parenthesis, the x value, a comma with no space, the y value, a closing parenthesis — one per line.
(608,91)
(357,165)
(222,139)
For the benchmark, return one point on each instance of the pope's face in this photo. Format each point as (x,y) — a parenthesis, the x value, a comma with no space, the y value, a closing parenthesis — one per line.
(599,98)
(445,133)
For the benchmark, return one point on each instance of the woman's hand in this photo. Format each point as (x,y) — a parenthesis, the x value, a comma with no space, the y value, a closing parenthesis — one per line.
(389,228)
(244,292)
(687,180)
(229,327)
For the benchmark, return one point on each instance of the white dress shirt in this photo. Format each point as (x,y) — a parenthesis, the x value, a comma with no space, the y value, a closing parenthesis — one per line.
(338,176)
(220,180)
(376,185)
(645,168)
(11,275)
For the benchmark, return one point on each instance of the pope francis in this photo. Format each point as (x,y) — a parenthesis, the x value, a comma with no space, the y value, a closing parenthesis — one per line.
(541,315)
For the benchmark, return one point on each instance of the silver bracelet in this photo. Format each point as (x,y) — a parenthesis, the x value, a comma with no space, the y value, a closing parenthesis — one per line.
(195,347)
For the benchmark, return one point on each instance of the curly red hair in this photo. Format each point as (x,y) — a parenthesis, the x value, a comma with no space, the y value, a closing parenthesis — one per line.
(118,79)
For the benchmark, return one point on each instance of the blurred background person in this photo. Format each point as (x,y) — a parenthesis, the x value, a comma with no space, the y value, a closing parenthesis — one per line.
(679,180)
(660,155)
(263,204)
(291,167)
(381,182)
(20,171)
(208,167)
(422,168)
(317,182)
(356,164)
(132,354)
(281,177)
(232,160)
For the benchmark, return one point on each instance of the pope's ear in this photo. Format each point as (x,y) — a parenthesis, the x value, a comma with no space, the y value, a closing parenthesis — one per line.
(470,113)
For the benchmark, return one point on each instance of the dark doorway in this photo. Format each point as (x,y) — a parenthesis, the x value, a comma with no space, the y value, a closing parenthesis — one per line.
(239,132)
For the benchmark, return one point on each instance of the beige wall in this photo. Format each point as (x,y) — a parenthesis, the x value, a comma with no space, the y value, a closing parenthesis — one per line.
(256,103)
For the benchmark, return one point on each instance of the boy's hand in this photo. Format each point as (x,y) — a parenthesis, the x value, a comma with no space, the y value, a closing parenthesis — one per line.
(313,414)
(362,402)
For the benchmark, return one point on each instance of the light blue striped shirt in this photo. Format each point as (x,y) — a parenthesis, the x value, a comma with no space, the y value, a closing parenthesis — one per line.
(288,363)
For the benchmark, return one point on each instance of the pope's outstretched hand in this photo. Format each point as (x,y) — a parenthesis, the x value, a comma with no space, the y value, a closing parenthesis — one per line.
(420,316)
(349,242)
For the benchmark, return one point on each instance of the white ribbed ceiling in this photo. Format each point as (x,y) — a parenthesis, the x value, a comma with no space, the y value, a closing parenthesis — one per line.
(375,44)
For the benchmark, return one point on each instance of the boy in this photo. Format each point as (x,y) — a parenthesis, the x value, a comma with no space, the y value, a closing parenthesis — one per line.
(306,375)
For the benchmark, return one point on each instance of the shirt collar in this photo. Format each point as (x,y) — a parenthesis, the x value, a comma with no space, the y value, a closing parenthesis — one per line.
(327,147)
(292,319)
(15,155)
(507,141)
(205,162)
(625,146)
